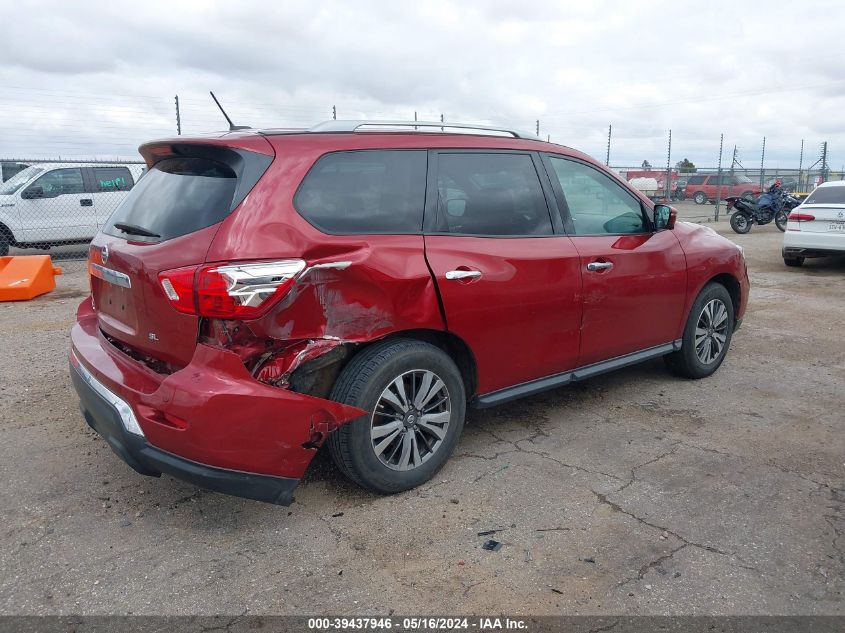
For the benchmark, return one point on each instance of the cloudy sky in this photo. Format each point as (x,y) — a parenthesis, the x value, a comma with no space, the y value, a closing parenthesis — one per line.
(98,78)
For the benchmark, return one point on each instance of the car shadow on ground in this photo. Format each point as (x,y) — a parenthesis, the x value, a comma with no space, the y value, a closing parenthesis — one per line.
(599,392)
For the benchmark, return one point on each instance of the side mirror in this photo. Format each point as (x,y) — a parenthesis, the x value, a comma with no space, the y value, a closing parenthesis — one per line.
(32,192)
(664,217)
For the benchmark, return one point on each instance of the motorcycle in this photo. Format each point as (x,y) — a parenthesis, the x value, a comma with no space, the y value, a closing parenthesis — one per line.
(679,192)
(775,204)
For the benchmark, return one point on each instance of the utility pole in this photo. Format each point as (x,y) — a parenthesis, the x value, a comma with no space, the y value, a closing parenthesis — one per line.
(762,170)
(609,133)
(178,118)
(415,118)
(334,113)
(441,120)
(734,161)
(824,163)
(800,165)
(669,166)
(719,181)
(537,132)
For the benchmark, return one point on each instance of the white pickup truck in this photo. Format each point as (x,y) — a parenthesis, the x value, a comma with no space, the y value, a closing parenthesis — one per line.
(48,204)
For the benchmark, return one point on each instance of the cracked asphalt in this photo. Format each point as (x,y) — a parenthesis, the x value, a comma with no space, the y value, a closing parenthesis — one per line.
(631,493)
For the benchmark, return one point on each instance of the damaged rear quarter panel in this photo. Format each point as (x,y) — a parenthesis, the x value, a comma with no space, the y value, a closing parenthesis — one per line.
(386,288)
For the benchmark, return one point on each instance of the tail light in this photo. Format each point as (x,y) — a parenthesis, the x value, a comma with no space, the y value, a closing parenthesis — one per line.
(801,217)
(230,291)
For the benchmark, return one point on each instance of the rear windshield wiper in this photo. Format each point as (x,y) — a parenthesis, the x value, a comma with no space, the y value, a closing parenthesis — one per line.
(134,229)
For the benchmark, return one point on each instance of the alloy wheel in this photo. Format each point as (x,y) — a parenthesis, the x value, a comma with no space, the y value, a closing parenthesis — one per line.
(410,420)
(711,331)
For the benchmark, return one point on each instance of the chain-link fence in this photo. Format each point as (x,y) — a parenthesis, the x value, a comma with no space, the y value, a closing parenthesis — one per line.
(700,195)
(60,205)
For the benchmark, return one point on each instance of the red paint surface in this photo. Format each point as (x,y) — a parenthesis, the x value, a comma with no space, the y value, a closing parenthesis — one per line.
(521,317)
(636,304)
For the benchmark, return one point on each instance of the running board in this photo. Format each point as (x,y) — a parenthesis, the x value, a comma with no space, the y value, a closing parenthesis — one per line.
(582,373)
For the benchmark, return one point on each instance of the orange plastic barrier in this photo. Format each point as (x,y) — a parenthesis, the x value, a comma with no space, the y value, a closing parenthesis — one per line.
(26,276)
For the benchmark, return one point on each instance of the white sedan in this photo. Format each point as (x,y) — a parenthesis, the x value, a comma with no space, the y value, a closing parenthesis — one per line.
(816,228)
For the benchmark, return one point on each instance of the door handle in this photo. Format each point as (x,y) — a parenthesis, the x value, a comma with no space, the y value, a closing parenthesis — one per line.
(463,274)
(86,202)
(596,266)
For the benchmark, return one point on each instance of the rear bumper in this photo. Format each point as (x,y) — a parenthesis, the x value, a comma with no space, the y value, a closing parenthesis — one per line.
(800,251)
(105,419)
(210,423)
(812,244)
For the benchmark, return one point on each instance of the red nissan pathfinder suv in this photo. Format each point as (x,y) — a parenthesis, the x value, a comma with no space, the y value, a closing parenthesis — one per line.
(261,293)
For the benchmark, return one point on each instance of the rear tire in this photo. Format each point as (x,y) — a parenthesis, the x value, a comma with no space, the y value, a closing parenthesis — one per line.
(707,335)
(740,223)
(407,438)
(793,261)
(699,197)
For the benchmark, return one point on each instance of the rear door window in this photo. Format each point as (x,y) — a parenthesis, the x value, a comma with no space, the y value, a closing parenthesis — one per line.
(490,194)
(176,197)
(112,179)
(366,191)
(696,180)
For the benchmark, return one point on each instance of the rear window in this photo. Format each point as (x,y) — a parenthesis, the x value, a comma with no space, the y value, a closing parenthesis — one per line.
(696,180)
(827,195)
(367,191)
(176,197)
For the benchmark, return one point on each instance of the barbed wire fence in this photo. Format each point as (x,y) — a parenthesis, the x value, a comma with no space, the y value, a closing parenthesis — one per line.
(63,170)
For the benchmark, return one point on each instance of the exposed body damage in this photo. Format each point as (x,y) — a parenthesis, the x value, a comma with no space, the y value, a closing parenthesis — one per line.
(339,302)
(191,412)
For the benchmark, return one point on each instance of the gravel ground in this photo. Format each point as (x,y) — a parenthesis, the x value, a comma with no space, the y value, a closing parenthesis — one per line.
(635,492)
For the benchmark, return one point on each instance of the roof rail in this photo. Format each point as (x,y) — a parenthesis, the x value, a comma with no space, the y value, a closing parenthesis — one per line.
(429,126)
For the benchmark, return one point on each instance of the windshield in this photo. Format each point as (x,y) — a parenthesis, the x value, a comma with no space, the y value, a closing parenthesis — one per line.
(19,180)
(827,195)
(740,179)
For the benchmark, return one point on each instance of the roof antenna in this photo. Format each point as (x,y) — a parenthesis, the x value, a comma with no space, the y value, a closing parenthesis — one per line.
(232,126)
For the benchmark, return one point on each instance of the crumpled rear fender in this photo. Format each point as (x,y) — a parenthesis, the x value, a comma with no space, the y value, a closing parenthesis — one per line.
(213,411)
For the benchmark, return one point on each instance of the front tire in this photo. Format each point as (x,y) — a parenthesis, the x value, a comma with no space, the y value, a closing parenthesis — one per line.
(699,197)
(5,242)
(740,223)
(707,335)
(780,220)
(416,397)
